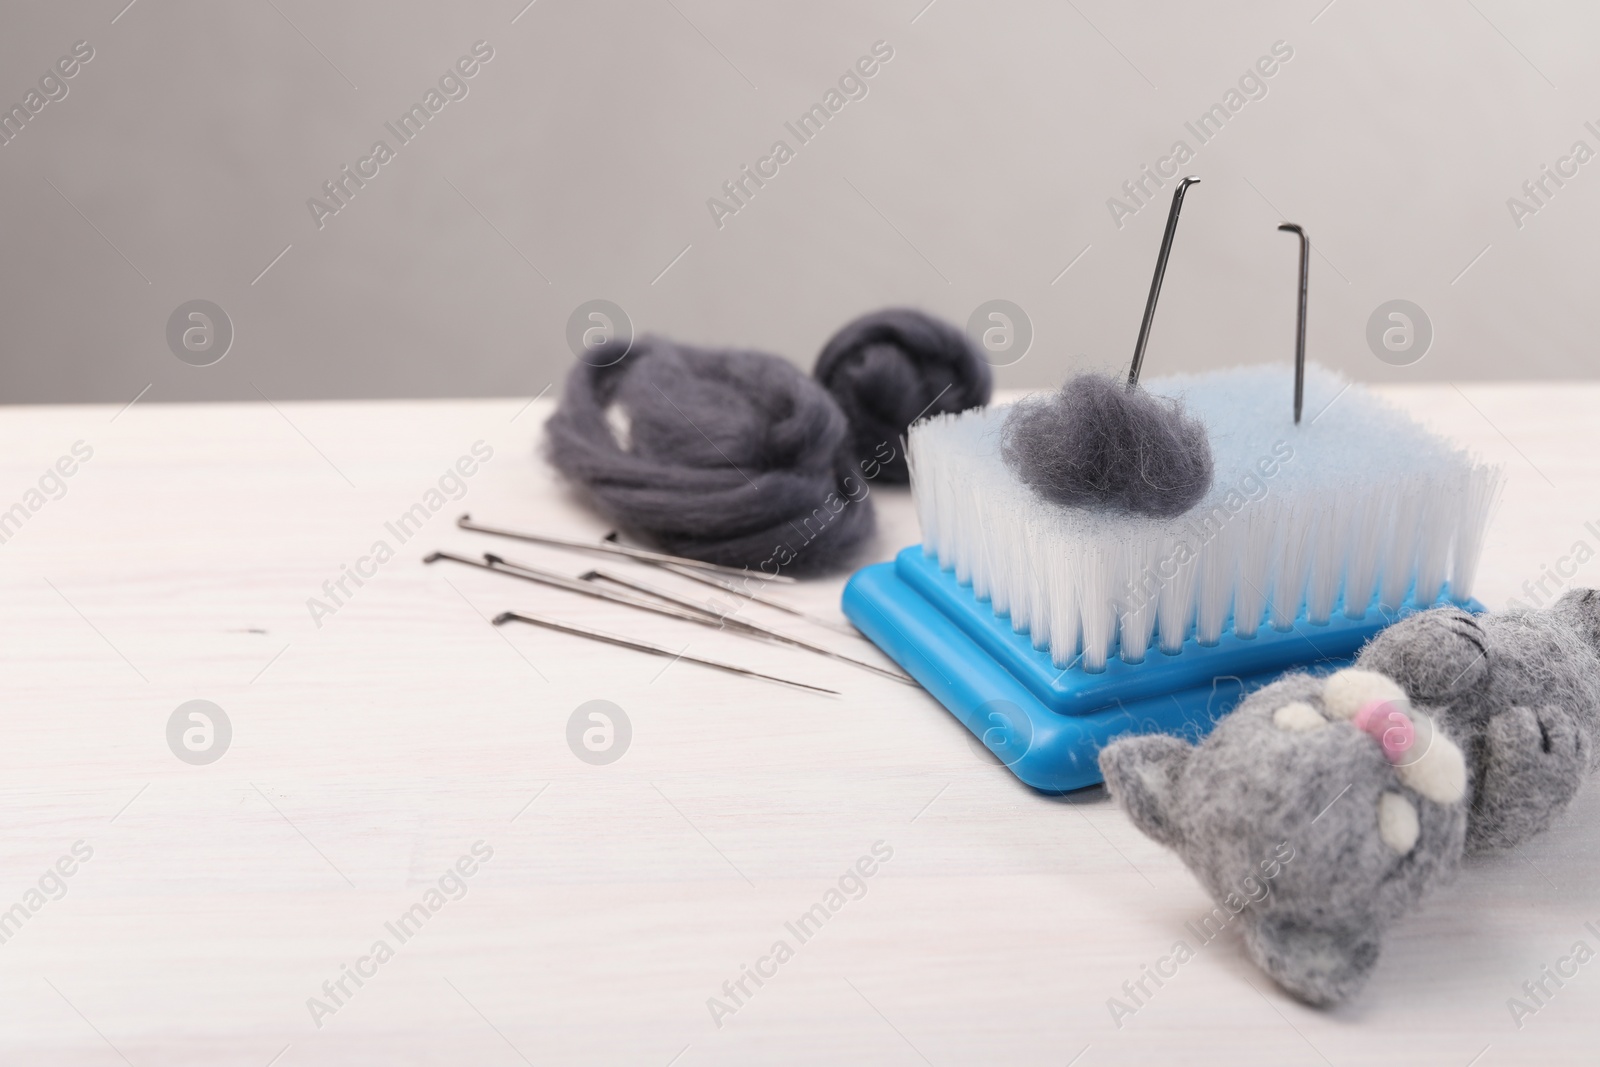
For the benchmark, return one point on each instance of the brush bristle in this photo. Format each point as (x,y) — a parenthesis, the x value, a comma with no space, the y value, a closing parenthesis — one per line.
(1357,509)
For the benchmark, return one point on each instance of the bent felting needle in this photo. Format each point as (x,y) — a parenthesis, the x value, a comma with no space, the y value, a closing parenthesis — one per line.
(744,624)
(677,607)
(493,564)
(644,646)
(613,548)
(698,616)
(1050,629)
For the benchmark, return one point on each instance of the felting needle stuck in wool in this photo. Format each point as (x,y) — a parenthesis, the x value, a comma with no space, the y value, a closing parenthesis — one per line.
(1098,443)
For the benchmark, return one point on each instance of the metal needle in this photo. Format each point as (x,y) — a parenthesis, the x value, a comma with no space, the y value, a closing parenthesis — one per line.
(687,612)
(654,650)
(611,548)
(1300,326)
(675,606)
(736,589)
(777,605)
(1155,283)
(742,624)
(571,585)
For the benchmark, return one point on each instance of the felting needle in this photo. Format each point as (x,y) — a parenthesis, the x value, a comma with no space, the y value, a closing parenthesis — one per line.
(695,614)
(572,585)
(611,548)
(733,588)
(1300,318)
(1155,282)
(654,650)
(777,605)
(742,624)
(674,607)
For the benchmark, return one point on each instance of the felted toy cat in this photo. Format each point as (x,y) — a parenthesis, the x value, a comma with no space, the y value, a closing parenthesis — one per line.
(1366,834)
(1519,691)
(1476,735)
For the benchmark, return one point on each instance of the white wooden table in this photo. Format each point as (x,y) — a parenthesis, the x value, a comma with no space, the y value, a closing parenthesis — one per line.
(369,754)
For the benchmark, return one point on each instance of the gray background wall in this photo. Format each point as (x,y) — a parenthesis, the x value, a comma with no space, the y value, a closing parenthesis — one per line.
(977,167)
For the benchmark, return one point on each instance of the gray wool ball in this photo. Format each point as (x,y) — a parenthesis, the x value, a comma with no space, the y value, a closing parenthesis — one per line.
(1297,823)
(731,457)
(891,367)
(1520,690)
(1097,444)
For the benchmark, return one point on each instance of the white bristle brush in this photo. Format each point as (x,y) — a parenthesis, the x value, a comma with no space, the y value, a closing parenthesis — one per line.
(1356,511)
(1051,629)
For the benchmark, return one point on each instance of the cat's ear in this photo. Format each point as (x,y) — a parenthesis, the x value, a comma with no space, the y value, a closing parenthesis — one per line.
(1581,610)
(1142,774)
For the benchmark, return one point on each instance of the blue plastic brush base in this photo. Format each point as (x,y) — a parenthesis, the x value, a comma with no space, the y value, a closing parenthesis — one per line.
(1047,724)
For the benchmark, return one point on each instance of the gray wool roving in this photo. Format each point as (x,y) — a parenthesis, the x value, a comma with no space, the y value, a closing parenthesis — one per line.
(1506,709)
(1520,690)
(1098,444)
(729,457)
(890,367)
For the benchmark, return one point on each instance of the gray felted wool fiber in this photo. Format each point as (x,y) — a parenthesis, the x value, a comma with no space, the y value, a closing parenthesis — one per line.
(890,367)
(1097,444)
(1506,712)
(1282,816)
(1521,690)
(729,457)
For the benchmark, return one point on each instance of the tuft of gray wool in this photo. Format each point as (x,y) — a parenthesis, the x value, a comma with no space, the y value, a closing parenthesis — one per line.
(1097,444)
(1520,689)
(729,457)
(890,367)
(1281,822)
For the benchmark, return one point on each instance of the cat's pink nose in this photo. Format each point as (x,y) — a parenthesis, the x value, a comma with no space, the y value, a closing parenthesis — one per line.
(1388,722)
